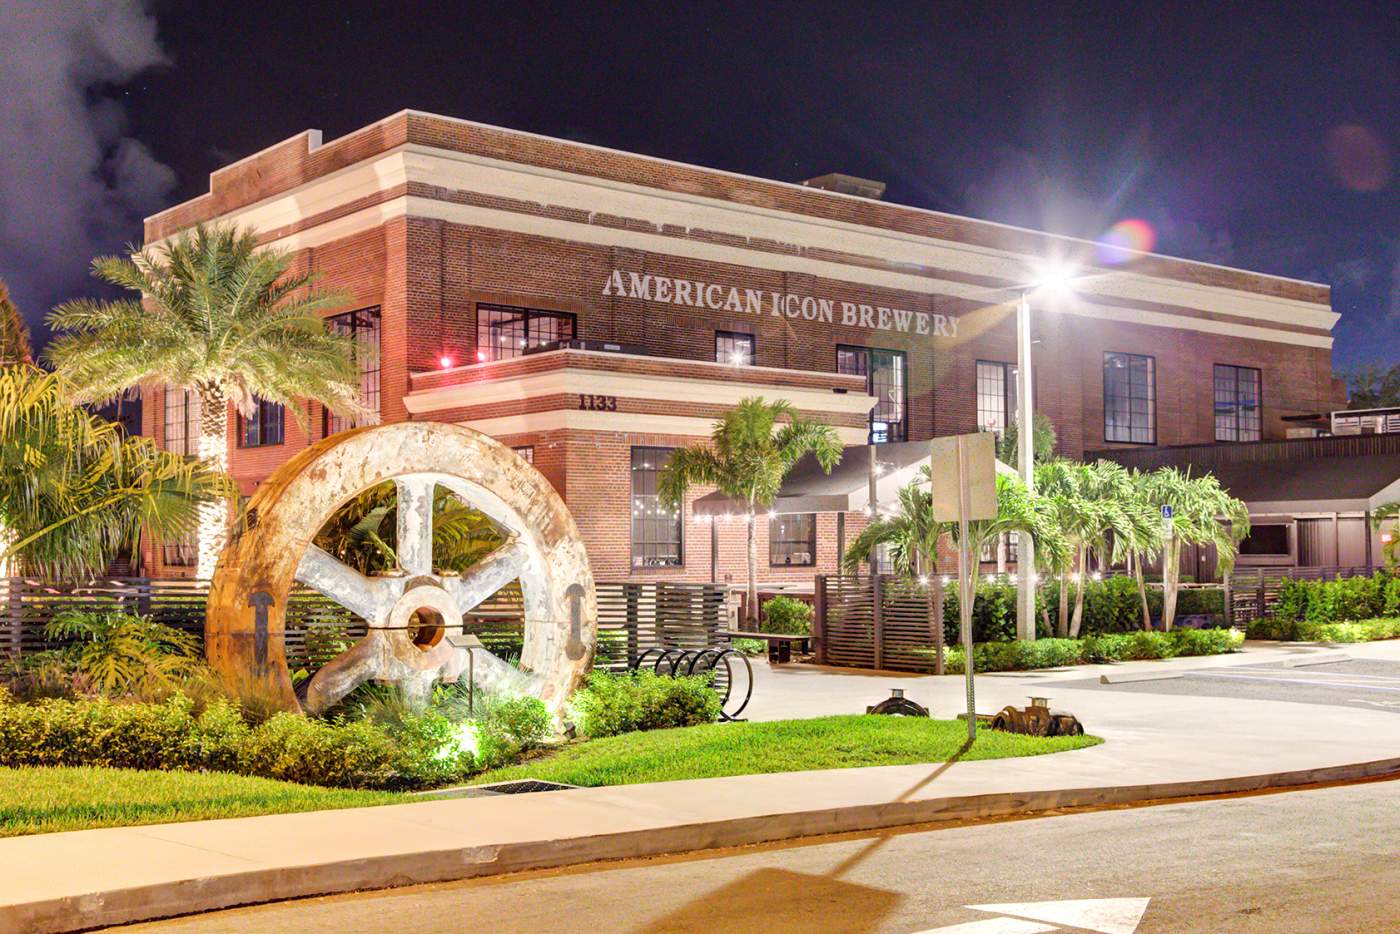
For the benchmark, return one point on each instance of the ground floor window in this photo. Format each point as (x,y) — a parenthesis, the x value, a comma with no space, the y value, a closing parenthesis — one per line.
(180,553)
(264,427)
(656,529)
(792,540)
(526,451)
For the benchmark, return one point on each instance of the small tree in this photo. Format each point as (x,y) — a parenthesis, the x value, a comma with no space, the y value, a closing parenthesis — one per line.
(217,315)
(1043,440)
(749,454)
(1390,551)
(1202,514)
(911,534)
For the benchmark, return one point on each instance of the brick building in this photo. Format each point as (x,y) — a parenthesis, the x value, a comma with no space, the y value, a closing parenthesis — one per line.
(595,308)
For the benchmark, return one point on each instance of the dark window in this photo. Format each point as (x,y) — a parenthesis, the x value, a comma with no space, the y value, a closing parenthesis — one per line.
(503,332)
(263,427)
(656,530)
(1270,540)
(181,553)
(732,347)
(1237,408)
(886,378)
(792,540)
(526,451)
(996,395)
(180,434)
(1129,398)
(362,325)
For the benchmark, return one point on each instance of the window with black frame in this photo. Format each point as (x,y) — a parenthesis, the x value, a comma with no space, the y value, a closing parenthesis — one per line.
(182,552)
(996,395)
(263,428)
(1129,398)
(734,348)
(1238,415)
(792,540)
(504,332)
(656,529)
(886,378)
(180,432)
(364,327)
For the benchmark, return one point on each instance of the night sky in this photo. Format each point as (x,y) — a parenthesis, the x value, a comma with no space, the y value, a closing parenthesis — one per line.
(1265,137)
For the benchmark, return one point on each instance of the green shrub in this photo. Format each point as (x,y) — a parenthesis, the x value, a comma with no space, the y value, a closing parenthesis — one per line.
(294,748)
(786,616)
(1147,645)
(1339,600)
(748,646)
(1366,630)
(121,652)
(611,704)
(1206,641)
(523,722)
(1018,656)
(102,733)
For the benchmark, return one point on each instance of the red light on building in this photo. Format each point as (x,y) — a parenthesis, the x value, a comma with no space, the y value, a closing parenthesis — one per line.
(445,362)
(481,356)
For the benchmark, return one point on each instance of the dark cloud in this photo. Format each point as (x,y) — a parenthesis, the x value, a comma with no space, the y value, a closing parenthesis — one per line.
(72,182)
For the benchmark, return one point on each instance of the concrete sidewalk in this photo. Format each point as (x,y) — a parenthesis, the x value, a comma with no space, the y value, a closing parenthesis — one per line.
(1157,746)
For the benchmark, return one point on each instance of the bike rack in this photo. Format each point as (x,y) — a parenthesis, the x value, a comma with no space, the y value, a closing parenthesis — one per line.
(727,666)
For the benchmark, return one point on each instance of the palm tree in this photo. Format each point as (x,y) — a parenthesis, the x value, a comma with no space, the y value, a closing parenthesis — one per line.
(748,456)
(75,490)
(1043,440)
(1202,514)
(1142,537)
(1391,549)
(218,316)
(363,532)
(1064,488)
(14,334)
(911,534)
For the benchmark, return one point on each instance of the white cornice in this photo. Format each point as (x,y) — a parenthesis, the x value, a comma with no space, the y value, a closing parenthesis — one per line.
(618,422)
(572,381)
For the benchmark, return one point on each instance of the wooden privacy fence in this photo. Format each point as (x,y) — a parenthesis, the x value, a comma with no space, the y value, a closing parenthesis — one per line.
(632,617)
(882,621)
(1252,592)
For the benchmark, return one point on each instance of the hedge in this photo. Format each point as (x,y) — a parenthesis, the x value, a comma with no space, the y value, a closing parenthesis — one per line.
(623,703)
(1339,600)
(1364,630)
(1110,606)
(1110,647)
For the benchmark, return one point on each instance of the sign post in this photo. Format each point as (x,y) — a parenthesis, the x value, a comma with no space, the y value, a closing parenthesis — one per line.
(963,470)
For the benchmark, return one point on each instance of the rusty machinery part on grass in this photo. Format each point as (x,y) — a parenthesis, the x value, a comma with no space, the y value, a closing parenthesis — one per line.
(272,547)
(898,705)
(1037,719)
(728,669)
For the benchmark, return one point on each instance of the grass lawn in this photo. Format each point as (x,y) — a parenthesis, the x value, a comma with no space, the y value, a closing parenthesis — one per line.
(44,800)
(723,749)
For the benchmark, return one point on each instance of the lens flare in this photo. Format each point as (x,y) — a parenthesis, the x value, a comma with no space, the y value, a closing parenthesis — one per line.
(1123,240)
(1359,160)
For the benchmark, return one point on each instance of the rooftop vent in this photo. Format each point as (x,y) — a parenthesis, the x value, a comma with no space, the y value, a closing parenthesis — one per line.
(848,185)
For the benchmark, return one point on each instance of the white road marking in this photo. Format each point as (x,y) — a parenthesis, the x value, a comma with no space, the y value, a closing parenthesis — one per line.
(993,926)
(1105,915)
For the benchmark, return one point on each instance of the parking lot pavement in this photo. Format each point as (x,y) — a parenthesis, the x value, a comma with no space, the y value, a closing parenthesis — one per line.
(1372,684)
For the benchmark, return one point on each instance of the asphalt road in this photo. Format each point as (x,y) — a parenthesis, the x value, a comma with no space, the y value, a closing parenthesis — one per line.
(1316,861)
(1372,684)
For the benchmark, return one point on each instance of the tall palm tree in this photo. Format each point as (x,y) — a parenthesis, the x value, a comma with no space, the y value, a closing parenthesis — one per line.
(75,490)
(218,316)
(1063,487)
(14,333)
(749,454)
(1142,537)
(1202,514)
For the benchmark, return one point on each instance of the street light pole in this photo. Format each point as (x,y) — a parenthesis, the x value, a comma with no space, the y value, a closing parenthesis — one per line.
(1025,453)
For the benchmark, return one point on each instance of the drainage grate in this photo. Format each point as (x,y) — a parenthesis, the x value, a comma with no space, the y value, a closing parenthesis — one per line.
(523,787)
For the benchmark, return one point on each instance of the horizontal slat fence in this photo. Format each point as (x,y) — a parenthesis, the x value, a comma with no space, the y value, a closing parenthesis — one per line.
(1254,591)
(632,617)
(882,622)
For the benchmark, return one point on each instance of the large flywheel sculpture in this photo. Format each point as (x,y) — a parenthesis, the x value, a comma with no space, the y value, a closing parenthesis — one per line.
(415,636)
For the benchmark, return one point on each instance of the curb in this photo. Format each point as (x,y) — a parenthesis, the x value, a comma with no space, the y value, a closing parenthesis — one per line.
(188,896)
(1135,677)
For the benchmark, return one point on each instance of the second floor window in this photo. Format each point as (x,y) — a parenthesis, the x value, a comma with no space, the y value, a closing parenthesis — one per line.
(504,332)
(180,432)
(996,395)
(734,348)
(1129,398)
(363,325)
(792,540)
(886,378)
(262,428)
(1238,415)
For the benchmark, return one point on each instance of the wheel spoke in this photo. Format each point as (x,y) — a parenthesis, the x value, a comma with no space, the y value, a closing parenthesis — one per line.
(415,524)
(366,597)
(488,575)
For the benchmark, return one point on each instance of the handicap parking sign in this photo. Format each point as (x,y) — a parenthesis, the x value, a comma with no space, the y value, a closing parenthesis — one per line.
(1167,512)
